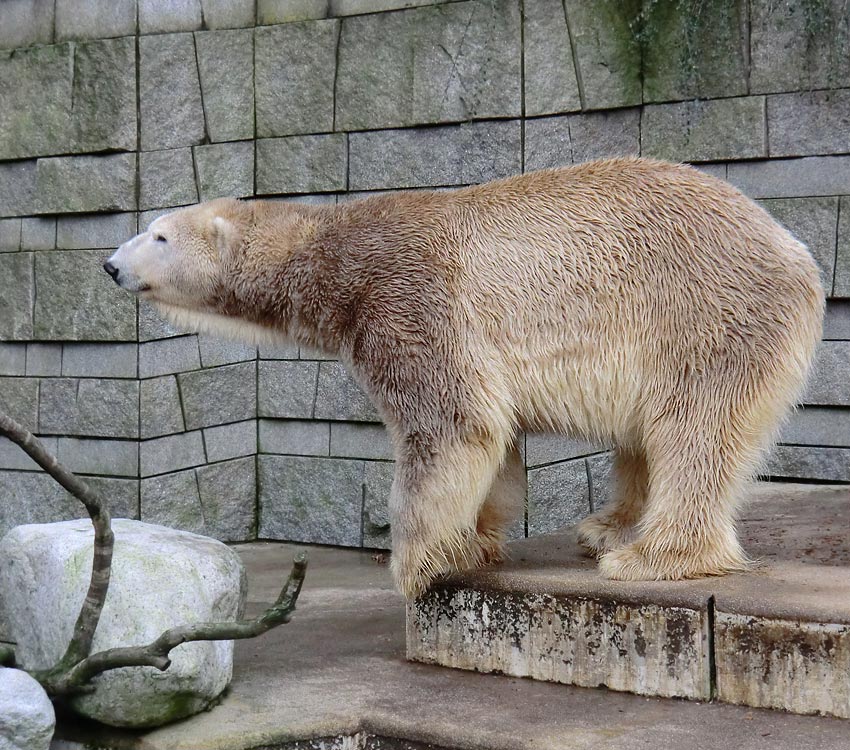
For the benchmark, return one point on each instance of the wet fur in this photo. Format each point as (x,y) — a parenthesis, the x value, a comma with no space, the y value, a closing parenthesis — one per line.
(627,300)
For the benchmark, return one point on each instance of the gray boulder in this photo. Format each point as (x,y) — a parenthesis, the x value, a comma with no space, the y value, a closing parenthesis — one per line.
(26,713)
(161,578)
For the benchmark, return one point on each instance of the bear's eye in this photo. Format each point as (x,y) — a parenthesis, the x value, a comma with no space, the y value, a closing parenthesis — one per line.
(158,238)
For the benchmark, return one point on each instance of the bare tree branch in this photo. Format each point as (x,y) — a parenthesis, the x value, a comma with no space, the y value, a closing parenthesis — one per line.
(156,654)
(80,645)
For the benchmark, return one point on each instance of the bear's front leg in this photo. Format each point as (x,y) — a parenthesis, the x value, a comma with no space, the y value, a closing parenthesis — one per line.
(434,510)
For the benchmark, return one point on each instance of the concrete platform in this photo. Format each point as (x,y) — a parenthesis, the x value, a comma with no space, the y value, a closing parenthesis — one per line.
(776,637)
(336,678)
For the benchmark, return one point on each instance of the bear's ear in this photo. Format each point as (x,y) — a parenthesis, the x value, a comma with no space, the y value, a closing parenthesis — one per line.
(225,235)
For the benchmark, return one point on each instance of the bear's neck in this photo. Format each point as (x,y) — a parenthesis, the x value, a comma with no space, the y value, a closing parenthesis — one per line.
(299,290)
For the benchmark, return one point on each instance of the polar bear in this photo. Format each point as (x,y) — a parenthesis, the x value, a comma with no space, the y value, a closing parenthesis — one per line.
(631,301)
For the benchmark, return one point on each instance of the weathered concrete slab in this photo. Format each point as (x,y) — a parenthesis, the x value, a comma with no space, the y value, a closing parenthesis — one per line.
(336,677)
(778,636)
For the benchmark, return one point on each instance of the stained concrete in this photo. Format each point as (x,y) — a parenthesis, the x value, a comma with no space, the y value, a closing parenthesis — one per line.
(338,670)
(777,636)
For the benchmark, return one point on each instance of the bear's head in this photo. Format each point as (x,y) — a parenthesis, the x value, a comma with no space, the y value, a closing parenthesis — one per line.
(181,258)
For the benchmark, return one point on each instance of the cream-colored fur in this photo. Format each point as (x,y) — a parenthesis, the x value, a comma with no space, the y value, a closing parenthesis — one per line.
(627,300)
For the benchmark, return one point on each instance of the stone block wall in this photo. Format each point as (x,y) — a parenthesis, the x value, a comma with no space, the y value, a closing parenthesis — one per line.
(114,112)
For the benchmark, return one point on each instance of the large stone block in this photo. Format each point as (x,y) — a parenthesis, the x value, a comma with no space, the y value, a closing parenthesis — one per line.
(448,155)
(572,139)
(16,303)
(173,500)
(600,474)
(360,7)
(309,353)
(96,456)
(283,350)
(171,453)
(98,408)
(228,14)
(377,483)
(13,359)
(231,440)
(173,577)
(78,301)
(558,496)
(544,448)
(100,360)
(829,384)
(836,322)
(809,122)
(813,222)
(842,258)
(26,23)
(83,19)
(167,178)
(310,499)
(159,407)
(38,233)
(817,426)
(271,12)
(637,646)
(103,113)
(225,170)
(152,326)
(168,356)
(219,395)
(172,115)
(302,164)
(27,718)
(34,497)
(808,462)
(31,497)
(789,178)
(68,184)
(44,359)
(339,397)
(35,101)
(12,456)
(783,663)
(351,440)
(217,351)
(797,46)
(19,400)
(294,437)
(550,77)
(229,499)
(606,51)
(18,190)
(445,63)
(226,65)
(121,494)
(94,231)
(295,71)
(10,235)
(160,16)
(705,130)
(286,389)
(691,52)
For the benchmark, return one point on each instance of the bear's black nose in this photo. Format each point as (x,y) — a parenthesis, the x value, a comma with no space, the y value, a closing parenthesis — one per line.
(111,270)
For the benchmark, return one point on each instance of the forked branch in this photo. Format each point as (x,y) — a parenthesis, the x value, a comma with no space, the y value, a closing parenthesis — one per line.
(156,654)
(76,668)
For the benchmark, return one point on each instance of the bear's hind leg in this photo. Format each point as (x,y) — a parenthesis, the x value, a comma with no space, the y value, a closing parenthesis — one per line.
(699,462)
(613,526)
(504,503)
(434,504)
